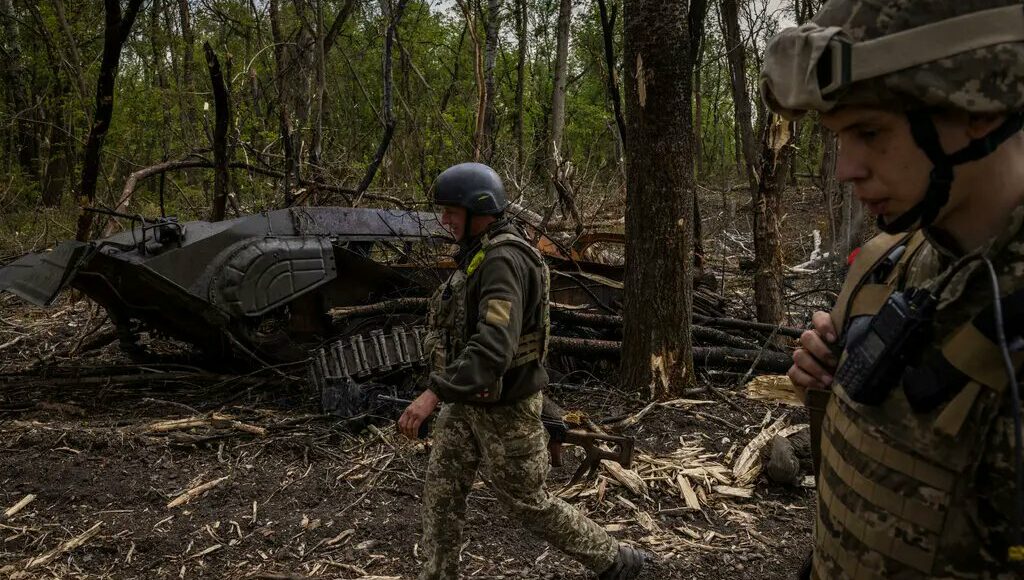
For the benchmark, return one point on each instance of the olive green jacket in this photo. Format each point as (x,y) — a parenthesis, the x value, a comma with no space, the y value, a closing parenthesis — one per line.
(489,322)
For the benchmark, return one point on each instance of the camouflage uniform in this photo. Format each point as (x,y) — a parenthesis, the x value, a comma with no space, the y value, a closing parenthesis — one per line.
(917,485)
(911,494)
(480,318)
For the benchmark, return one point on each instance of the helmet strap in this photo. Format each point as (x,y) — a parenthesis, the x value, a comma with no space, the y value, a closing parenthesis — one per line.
(926,136)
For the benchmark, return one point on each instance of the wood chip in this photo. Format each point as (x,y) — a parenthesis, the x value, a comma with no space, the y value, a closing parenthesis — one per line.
(687,490)
(743,492)
(773,388)
(626,477)
(14,509)
(748,464)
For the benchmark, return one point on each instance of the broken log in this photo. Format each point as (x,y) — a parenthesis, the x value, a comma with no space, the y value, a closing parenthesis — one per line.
(700,333)
(716,357)
(396,306)
(747,325)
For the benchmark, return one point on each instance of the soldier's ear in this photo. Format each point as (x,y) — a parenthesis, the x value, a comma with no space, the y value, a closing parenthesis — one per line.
(980,125)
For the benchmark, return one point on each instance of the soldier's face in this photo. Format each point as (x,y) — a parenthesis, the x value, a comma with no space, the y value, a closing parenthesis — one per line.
(454,220)
(890,173)
(878,156)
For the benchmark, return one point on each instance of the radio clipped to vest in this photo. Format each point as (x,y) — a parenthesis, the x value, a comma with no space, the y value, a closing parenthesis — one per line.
(877,356)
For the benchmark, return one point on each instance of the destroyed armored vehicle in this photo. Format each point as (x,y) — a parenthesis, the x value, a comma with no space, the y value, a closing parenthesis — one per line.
(256,288)
(260,289)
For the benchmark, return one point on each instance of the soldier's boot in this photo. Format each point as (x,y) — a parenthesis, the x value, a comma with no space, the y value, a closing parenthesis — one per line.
(628,564)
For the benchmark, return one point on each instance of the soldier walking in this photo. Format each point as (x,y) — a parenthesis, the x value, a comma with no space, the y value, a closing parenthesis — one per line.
(911,380)
(489,338)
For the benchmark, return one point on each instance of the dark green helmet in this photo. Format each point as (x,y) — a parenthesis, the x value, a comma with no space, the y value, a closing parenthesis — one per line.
(473,186)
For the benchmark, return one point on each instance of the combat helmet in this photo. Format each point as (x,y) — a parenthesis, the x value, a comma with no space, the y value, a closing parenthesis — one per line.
(918,56)
(473,186)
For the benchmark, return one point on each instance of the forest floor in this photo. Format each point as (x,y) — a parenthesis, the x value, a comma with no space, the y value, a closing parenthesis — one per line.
(290,493)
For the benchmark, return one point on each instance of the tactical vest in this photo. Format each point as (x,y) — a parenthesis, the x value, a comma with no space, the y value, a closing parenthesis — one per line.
(895,486)
(450,330)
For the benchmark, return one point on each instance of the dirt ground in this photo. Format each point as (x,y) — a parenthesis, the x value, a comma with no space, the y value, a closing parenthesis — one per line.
(307,496)
(290,493)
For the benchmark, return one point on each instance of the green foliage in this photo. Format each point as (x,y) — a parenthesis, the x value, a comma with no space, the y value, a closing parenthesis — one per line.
(159,117)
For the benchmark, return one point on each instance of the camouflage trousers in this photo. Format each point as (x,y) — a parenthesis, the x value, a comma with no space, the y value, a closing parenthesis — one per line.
(512,443)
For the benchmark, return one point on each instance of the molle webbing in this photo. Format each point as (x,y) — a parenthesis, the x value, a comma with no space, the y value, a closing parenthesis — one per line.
(876,538)
(892,458)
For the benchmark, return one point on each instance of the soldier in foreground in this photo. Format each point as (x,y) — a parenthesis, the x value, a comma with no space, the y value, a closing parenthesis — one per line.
(911,379)
(489,337)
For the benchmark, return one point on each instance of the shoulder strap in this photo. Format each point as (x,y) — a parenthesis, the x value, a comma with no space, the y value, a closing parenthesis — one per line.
(872,254)
(507,238)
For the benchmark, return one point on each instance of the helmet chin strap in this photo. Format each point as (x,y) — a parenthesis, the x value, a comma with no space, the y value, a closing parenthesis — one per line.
(926,136)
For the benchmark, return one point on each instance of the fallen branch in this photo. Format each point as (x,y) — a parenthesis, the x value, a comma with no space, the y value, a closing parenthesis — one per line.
(67,546)
(396,306)
(715,357)
(14,509)
(747,325)
(195,492)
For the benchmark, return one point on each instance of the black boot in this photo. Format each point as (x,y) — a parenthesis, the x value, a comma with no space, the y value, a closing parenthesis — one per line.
(628,564)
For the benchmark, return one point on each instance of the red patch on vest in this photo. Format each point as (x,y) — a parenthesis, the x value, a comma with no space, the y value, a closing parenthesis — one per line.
(853,256)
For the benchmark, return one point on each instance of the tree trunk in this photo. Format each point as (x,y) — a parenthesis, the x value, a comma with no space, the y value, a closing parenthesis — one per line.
(159,54)
(387,105)
(115,33)
(737,54)
(478,72)
(284,115)
(658,302)
(558,94)
(698,115)
(522,26)
(492,28)
(319,89)
(73,53)
(608,32)
(776,154)
(26,141)
(222,103)
(187,99)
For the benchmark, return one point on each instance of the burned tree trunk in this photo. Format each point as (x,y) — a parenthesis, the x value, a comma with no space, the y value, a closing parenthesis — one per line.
(117,29)
(222,103)
(657,345)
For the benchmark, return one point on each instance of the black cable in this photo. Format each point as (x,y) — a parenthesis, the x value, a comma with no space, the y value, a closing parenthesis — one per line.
(1016,550)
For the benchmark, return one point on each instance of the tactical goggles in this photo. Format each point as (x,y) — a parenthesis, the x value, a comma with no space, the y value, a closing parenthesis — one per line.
(808,68)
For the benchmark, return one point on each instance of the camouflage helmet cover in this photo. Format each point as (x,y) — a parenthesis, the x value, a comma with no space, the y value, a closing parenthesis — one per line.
(963,54)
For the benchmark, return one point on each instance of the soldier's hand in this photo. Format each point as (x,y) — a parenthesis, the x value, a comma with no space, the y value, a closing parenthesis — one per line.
(814,363)
(416,413)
